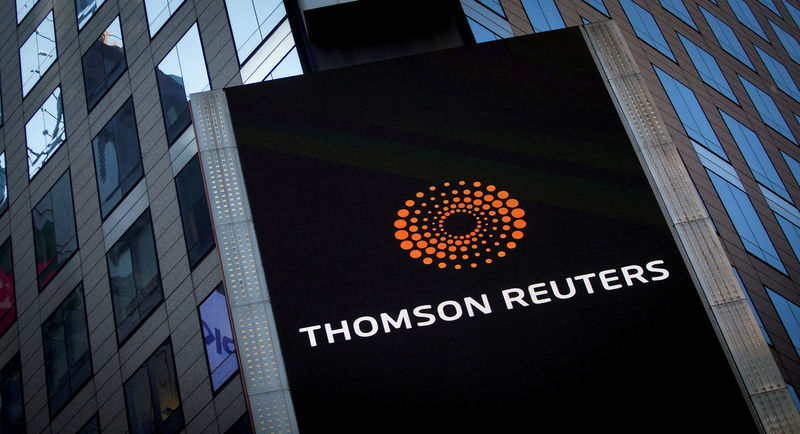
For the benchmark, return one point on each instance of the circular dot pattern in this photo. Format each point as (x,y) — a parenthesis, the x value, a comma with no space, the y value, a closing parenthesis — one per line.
(460,225)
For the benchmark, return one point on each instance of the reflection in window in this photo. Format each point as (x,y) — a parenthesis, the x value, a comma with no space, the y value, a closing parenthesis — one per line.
(289,66)
(767,109)
(677,8)
(8,311)
(23,7)
(67,360)
(789,43)
(54,230)
(708,68)
(481,34)
(45,132)
(117,161)
(752,307)
(104,63)
(151,395)
(197,229)
(37,53)
(543,15)
(599,5)
(218,336)
(133,272)
(780,74)
(727,38)
(3,184)
(645,27)
(12,414)
(158,12)
(789,314)
(746,221)
(181,73)
(746,17)
(85,9)
(252,22)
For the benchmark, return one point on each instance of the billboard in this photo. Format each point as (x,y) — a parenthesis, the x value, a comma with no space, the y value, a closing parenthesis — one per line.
(465,241)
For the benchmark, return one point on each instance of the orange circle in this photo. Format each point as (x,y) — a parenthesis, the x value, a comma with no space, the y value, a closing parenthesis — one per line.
(402,213)
(502,194)
(517,213)
(500,254)
(419,194)
(440,255)
(427,261)
(512,203)
(457,266)
(416,237)
(511,244)
(502,211)
(442,265)
(401,235)
(497,203)
(413,228)
(490,187)
(506,219)
(409,203)
(406,245)
(415,254)
(519,224)
(422,244)
(516,235)
(400,223)
(430,250)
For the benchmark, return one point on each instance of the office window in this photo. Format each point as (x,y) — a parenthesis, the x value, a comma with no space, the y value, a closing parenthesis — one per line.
(793,11)
(197,229)
(134,275)
(708,68)
(726,37)
(67,359)
(794,395)
(182,72)
(91,427)
(677,8)
(151,395)
(599,5)
(251,23)
(753,308)
(158,12)
(8,301)
(12,413)
(1,103)
(771,6)
(54,236)
(690,113)
(104,63)
(792,233)
(3,184)
(481,34)
(794,166)
(746,221)
(241,426)
(780,74)
(543,15)
(23,7)
(37,53)
(756,157)
(789,314)
(746,17)
(218,336)
(789,43)
(645,27)
(45,132)
(117,160)
(85,9)
(289,66)
(767,109)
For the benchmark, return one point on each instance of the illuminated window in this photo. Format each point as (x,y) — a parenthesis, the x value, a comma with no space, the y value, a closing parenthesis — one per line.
(218,336)
(789,43)
(45,132)
(780,74)
(481,34)
(746,17)
(677,8)
(158,12)
(543,15)
(253,22)
(789,314)
(12,413)
(197,230)
(151,395)
(645,27)
(727,38)
(85,9)
(23,7)
(104,63)
(753,308)
(8,301)
(767,109)
(599,5)
(708,68)
(54,236)
(37,53)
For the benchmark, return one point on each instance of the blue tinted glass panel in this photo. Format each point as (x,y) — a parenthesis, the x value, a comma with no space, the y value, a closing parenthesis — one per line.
(755,155)
(793,11)
(746,222)
(37,53)
(494,5)
(792,233)
(780,74)
(23,7)
(584,20)
(288,67)
(677,8)
(767,109)
(543,15)
(789,43)
(599,5)
(753,308)
(746,17)
(708,68)
(727,38)
(85,9)
(690,113)
(481,34)
(54,236)
(770,5)
(158,12)
(794,395)
(794,166)
(45,132)
(789,314)
(218,336)
(645,27)
(252,22)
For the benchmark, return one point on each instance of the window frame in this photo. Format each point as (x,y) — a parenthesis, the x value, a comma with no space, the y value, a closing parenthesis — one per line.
(205,347)
(42,286)
(90,105)
(144,365)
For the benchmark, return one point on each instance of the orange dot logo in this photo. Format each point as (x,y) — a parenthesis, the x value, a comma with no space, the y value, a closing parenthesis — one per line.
(460,225)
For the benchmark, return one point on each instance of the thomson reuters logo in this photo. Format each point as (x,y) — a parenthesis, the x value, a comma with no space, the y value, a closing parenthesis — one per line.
(460,225)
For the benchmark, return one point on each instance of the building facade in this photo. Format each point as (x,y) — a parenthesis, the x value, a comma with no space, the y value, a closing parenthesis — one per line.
(112,313)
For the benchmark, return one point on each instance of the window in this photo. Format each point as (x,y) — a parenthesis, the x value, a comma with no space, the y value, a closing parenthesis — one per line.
(241,426)
(1,103)
(23,7)
(289,66)
(746,221)
(494,5)
(8,301)
(792,233)
(789,43)
(135,279)
(158,12)
(793,11)
(771,6)
(197,229)
(91,427)
(543,15)
(45,132)
(645,27)
(746,17)
(117,161)
(726,38)
(794,395)
(599,5)
(677,8)
(708,68)
(37,53)
(3,184)
(54,234)
(481,34)
(104,63)
(85,9)
(151,395)
(690,113)
(12,413)
(779,73)
(753,308)
(794,166)
(67,359)
(789,314)
(252,22)
(181,73)
(218,336)
(767,109)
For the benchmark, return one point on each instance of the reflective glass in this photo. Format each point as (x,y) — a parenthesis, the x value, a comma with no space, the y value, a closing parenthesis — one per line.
(54,230)
(793,11)
(746,222)
(543,15)
(780,74)
(252,21)
(677,8)
(726,37)
(3,184)
(218,336)
(481,34)
(158,12)
(117,160)
(789,43)
(645,27)
(181,73)
(708,68)
(792,233)
(690,113)
(789,314)
(197,229)
(91,427)
(767,109)
(85,9)
(770,5)
(794,395)
(746,17)
(104,63)
(290,65)
(12,413)
(134,277)
(23,7)
(45,132)
(67,359)
(753,308)
(794,166)
(8,311)
(493,5)
(599,5)
(37,53)
(1,103)
(151,395)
